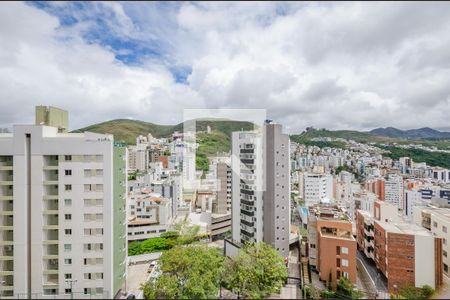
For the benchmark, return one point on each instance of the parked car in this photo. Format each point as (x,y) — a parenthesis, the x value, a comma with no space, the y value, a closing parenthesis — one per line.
(131,296)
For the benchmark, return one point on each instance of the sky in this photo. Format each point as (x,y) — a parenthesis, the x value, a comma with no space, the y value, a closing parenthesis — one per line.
(335,65)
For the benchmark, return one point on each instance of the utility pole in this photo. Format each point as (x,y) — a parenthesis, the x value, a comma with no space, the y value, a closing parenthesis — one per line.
(71,282)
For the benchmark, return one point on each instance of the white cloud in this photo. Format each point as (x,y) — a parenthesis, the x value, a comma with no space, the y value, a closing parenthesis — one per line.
(335,65)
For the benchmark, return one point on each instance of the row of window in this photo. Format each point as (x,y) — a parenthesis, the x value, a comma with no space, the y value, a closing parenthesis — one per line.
(87,291)
(87,187)
(148,232)
(87,247)
(86,158)
(87,172)
(87,202)
(87,231)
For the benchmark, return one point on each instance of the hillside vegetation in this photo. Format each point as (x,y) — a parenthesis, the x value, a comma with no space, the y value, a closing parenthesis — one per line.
(125,130)
(431,158)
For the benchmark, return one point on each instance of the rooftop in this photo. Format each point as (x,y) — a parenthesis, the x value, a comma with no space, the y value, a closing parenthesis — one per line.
(404,228)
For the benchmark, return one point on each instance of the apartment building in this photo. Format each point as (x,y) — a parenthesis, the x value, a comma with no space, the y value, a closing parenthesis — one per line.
(408,255)
(393,192)
(376,185)
(437,221)
(261,187)
(332,247)
(63,212)
(405,253)
(223,200)
(317,187)
(149,215)
(138,158)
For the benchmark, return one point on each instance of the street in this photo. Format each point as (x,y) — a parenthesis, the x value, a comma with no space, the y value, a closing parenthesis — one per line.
(377,278)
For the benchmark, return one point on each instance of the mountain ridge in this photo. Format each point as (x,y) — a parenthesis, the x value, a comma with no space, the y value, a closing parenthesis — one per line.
(419,133)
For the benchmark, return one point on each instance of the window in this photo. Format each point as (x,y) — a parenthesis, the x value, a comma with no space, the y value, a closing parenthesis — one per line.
(67,157)
(68,276)
(444,241)
(68,291)
(68,202)
(444,229)
(345,262)
(445,268)
(338,250)
(68,231)
(67,187)
(444,253)
(68,216)
(67,261)
(344,250)
(67,247)
(68,172)
(434,224)
(345,274)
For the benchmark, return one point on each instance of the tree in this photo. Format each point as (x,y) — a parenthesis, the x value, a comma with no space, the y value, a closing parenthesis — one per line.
(427,291)
(256,272)
(188,272)
(187,233)
(346,288)
(410,292)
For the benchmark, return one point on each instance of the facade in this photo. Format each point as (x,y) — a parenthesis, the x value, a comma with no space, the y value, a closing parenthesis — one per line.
(149,215)
(261,187)
(394,190)
(317,187)
(407,255)
(332,247)
(63,213)
(437,221)
(223,175)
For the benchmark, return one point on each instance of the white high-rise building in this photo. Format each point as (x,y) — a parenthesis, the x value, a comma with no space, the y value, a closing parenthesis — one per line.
(393,190)
(317,188)
(261,187)
(63,213)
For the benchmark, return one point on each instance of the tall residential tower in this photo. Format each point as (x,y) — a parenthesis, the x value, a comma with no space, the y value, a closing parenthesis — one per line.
(261,187)
(63,213)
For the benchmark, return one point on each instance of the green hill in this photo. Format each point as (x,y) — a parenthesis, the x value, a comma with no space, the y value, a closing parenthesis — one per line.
(358,136)
(125,130)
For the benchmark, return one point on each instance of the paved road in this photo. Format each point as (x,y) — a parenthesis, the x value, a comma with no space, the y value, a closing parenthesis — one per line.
(291,290)
(377,277)
(444,292)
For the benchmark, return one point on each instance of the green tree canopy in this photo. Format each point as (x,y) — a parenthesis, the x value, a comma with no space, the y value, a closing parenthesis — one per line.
(188,272)
(256,272)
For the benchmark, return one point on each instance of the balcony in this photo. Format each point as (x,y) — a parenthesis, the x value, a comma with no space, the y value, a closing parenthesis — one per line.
(51,190)
(6,163)
(51,237)
(51,204)
(51,267)
(51,220)
(6,266)
(51,252)
(6,252)
(51,162)
(50,280)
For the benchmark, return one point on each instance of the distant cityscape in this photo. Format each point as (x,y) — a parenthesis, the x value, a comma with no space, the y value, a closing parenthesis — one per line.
(86,216)
(224,150)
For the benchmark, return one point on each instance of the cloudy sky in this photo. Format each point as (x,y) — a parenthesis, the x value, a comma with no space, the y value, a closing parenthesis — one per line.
(333,65)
